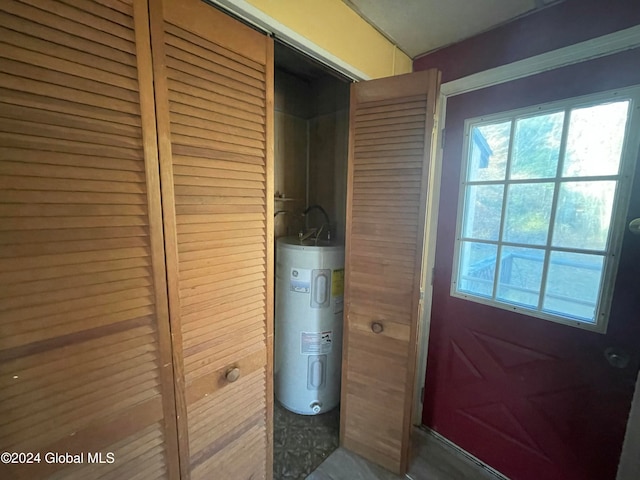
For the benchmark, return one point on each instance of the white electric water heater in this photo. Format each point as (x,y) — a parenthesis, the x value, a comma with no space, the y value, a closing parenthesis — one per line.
(308,325)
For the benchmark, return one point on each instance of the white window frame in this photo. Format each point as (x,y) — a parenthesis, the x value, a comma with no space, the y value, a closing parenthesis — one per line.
(628,158)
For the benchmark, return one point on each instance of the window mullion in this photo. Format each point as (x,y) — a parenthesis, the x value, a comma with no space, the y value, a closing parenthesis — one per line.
(554,206)
(585,251)
(528,181)
(507,172)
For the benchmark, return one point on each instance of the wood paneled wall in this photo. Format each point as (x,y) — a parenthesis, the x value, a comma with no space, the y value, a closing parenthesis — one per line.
(328,148)
(291,144)
(291,129)
(311,140)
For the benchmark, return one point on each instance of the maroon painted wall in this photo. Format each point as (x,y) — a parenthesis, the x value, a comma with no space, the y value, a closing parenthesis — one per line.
(566,23)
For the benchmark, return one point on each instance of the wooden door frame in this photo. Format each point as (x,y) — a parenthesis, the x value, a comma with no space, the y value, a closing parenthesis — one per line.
(270,26)
(629,466)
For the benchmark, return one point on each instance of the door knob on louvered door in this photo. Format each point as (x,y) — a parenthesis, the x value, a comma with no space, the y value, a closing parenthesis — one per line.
(377,327)
(232,374)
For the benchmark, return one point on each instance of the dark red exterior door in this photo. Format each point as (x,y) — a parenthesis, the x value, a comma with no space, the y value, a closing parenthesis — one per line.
(533,399)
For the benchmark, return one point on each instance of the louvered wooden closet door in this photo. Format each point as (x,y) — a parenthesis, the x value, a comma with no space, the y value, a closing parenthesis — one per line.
(214,84)
(391,123)
(85,363)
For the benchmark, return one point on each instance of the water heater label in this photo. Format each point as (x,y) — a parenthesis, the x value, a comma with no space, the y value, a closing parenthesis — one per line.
(316,343)
(300,280)
(337,283)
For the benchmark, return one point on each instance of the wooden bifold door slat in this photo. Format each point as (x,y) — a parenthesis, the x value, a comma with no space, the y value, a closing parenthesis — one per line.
(88,125)
(214,101)
(85,354)
(391,127)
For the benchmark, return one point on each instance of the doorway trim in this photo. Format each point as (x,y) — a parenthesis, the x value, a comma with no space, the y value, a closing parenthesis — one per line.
(627,39)
(270,26)
(602,46)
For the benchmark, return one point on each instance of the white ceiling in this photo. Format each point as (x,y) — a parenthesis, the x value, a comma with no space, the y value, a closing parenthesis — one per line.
(419,26)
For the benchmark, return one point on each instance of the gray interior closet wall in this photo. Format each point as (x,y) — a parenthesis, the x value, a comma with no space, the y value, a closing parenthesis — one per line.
(311,142)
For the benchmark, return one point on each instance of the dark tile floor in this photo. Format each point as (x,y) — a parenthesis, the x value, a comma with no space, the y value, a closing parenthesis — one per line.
(302,442)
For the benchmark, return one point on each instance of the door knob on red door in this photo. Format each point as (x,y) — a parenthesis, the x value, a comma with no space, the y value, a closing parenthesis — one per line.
(617,357)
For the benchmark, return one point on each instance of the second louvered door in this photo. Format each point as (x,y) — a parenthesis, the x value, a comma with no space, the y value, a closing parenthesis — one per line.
(391,123)
(85,356)
(213,79)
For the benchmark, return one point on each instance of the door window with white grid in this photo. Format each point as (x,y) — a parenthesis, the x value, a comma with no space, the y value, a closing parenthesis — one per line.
(542,207)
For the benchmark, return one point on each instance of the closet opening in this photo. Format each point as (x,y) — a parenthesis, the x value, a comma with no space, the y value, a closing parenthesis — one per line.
(311,121)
